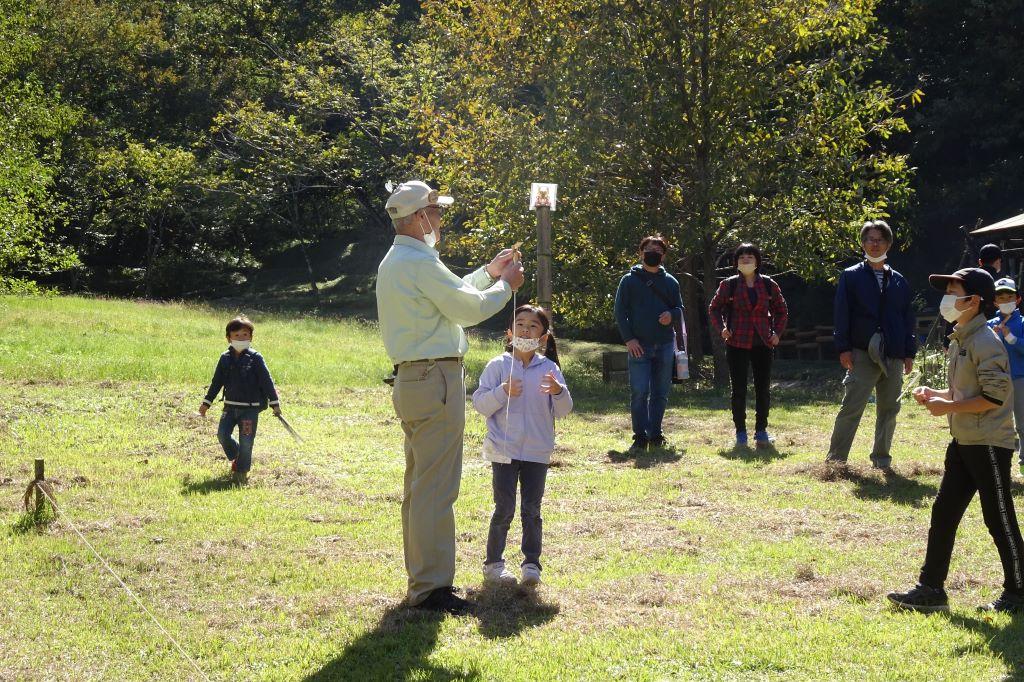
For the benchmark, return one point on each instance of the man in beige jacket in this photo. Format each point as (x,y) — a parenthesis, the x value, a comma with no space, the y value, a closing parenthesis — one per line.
(979,405)
(422,308)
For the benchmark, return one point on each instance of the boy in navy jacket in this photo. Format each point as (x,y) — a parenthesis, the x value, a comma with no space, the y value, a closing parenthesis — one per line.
(248,390)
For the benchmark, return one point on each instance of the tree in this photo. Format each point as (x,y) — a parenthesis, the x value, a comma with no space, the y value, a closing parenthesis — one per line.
(709,121)
(31,123)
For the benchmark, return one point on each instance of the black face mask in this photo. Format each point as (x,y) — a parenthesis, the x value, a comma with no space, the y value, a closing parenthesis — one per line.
(652,258)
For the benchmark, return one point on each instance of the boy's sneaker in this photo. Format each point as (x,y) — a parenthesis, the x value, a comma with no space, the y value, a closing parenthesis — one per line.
(741,439)
(1008,602)
(921,598)
(639,445)
(531,575)
(763,440)
(444,600)
(498,573)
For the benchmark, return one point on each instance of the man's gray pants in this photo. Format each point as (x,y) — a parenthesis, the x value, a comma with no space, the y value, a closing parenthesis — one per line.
(866,376)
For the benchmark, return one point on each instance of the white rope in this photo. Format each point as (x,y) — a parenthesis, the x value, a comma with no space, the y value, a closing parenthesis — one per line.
(127,589)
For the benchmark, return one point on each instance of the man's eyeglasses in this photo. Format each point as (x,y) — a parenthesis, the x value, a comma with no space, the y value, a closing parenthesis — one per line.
(874,240)
(440,209)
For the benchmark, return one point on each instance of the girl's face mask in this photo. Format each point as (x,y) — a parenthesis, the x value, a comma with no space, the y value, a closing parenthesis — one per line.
(525,345)
(653,258)
(747,268)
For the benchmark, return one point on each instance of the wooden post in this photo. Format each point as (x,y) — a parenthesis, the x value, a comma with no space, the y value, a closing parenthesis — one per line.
(544,258)
(40,476)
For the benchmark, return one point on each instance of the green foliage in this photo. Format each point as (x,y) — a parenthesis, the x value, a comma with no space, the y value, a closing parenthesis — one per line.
(32,120)
(710,122)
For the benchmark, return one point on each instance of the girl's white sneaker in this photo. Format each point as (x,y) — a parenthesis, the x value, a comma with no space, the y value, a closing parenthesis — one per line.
(531,574)
(497,573)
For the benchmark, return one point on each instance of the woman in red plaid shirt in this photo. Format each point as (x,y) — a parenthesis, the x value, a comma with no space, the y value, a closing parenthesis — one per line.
(748,310)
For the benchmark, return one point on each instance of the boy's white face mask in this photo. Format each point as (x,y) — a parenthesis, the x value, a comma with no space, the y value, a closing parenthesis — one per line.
(1007,308)
(240,345)
(947,308)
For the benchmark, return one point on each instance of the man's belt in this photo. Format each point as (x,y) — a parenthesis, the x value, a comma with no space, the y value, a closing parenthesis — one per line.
(454,358)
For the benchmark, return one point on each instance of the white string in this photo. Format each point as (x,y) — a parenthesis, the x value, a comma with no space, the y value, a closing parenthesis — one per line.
(511,369)
(127,589)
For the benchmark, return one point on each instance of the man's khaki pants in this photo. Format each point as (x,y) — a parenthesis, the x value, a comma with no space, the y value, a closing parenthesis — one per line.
(866,376)
(430,399)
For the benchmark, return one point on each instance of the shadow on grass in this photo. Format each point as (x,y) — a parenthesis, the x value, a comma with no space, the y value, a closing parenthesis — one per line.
(1005,642)
(649,459)
(398,648)
(34,521)
(507,611)
(875,484)
(762,455)
(210,485)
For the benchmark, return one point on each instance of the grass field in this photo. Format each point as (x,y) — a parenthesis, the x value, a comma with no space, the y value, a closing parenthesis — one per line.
(698,563)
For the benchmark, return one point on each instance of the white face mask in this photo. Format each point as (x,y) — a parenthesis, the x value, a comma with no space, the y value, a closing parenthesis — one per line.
(240,345)
(947,307)
(524,345)
(747,268)
(879,259)
(430,238)
(1007,308)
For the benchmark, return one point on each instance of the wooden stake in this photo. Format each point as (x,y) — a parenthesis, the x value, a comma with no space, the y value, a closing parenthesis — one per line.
(544,258)
(40,476)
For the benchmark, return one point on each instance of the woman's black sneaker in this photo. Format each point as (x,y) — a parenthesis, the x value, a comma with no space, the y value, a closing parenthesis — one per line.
(444,600)
(1008,602)
(922,598)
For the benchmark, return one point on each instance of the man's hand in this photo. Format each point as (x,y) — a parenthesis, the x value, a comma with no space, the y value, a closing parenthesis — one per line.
(922,394)
(203,407)
(939,407)
(497,266)
(513,274)
(726,334)
(550,385)
(774,340)
(665,318)
(846,360)
(513,387)
(908,365)
(634,348)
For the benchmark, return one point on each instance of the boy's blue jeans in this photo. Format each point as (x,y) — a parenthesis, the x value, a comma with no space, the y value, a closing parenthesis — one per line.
(238,451)
(650,380)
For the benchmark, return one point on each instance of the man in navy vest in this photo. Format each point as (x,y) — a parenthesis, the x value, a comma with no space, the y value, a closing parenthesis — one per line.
(875,337)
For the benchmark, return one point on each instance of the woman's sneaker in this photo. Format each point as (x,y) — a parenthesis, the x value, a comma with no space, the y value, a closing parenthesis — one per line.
(921,598)
(1008,602)
(741,439)
(763,440)
(496,573)
(531,574)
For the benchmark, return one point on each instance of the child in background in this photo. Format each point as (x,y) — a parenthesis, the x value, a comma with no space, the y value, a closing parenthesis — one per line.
(248,390)
(521,392)
(1009,326)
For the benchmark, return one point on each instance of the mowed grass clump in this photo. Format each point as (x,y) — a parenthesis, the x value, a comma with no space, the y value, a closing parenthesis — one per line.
(700,562)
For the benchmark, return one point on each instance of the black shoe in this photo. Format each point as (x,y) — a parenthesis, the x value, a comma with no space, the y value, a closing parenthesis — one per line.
(444,600)
(922,598)
(1008,602)
(657,441)
(639,445)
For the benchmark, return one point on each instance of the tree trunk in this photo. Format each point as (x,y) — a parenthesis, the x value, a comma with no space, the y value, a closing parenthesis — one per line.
(717,344)
(692,302)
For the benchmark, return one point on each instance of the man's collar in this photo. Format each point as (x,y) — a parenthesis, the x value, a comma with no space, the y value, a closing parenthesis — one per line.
(405,240)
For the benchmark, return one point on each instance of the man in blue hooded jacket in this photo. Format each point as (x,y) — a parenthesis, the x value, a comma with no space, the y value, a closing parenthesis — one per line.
(647,304)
